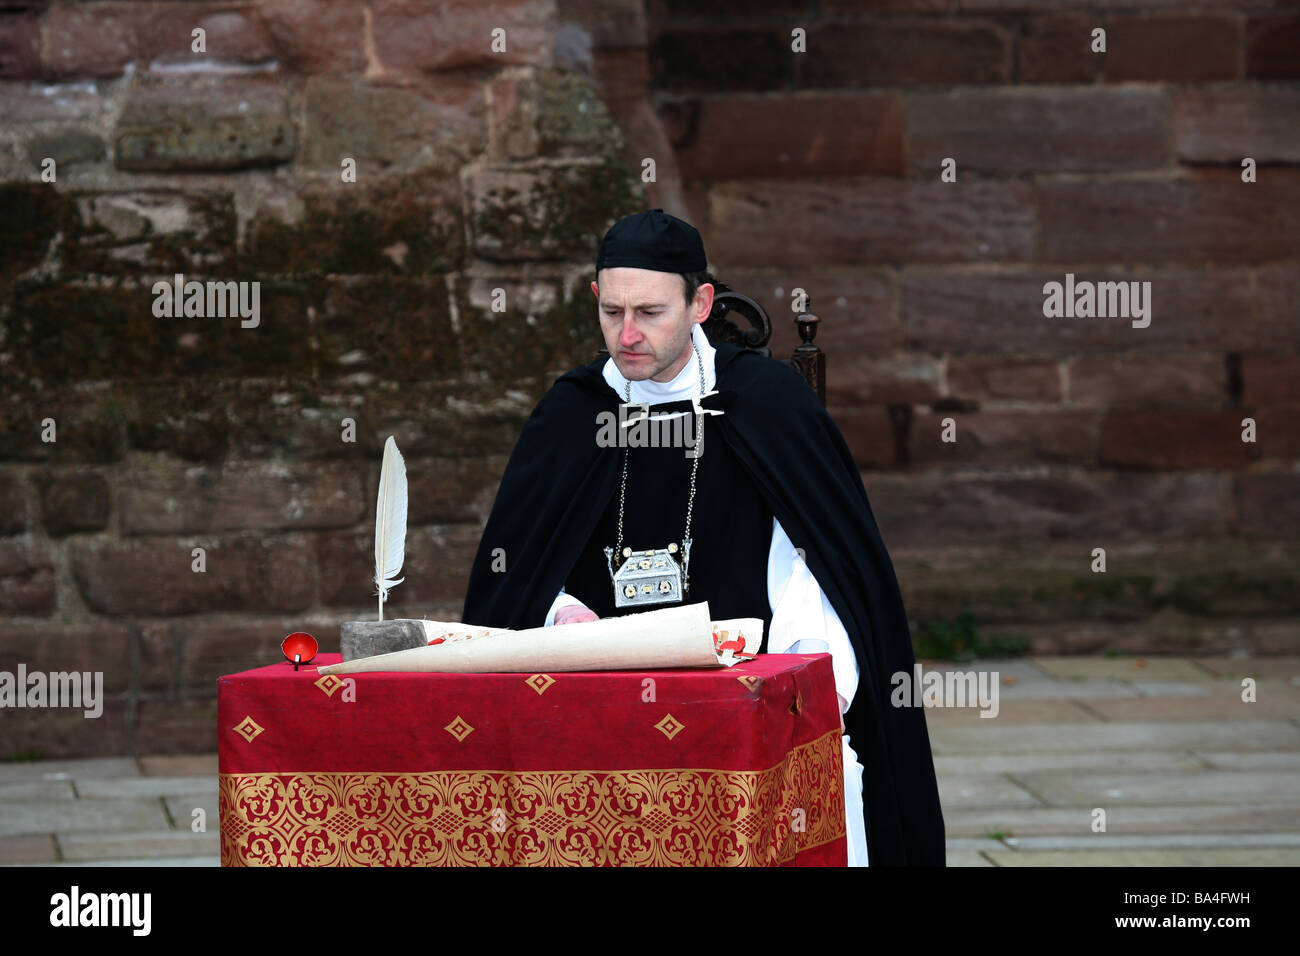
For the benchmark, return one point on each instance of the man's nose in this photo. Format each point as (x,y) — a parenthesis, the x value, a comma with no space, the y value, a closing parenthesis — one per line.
(630,335)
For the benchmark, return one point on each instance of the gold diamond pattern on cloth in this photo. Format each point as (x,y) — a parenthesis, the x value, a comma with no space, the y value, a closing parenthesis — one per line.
(328,684)
(248,728)
(540,683)
(459,729)
(670,726)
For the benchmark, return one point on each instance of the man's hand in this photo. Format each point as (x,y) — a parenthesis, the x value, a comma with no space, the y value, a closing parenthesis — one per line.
(844,705)
(574,614)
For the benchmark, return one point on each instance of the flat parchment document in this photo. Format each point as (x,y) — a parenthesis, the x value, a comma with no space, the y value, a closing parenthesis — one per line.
(682,636)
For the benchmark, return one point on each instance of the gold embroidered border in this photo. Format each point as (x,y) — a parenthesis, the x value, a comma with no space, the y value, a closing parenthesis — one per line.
(540,818)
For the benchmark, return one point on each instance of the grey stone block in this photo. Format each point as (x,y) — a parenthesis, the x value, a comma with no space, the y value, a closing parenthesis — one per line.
(367,638)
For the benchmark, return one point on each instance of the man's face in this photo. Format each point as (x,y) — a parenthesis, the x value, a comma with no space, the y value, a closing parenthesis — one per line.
(646,322)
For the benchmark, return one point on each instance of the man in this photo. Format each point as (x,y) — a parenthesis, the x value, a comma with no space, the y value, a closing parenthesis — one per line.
(772,473)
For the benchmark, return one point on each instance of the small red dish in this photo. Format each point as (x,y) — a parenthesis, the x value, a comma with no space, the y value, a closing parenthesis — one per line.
(299,648)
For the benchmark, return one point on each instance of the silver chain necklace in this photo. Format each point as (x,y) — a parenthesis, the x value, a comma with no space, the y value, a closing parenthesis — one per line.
(690,502)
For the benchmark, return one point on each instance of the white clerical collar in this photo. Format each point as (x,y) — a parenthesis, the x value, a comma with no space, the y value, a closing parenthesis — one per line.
(684,386)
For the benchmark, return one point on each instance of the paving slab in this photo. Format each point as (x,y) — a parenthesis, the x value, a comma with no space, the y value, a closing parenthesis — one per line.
(150,844)
(1173,688)
(1263,760)
(1263,668)
(1255,856)
(144,861)
(990,736)
(1164,789)
(994,763)
(22,817)
(1012,670)
(1054,689)
(181,810)
(148,787)
(92,768)
(179,765)
(1016,712)
(1162,841)
(36,790)
(967,858)
(1027,821)
(1122,668)
(34,848)
(1195,708)
(978,844)
(958,791)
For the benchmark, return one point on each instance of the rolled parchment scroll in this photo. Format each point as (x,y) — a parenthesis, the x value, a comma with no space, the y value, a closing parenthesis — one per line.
(681,636)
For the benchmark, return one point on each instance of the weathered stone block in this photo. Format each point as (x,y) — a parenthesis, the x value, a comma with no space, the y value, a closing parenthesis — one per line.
(204,127)
(393,224)
(552,212)
(73,502)
(26,579)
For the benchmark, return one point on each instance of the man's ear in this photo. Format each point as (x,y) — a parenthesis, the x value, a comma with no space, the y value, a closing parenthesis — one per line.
(595,290)
(703,302)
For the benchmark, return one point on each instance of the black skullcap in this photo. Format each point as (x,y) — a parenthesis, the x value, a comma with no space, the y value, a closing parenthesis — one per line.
(652,240)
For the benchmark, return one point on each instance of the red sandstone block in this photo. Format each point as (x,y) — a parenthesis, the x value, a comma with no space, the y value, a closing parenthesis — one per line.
(868,433)
(713,59)
(1005,131)
(1004,438)
(1224,125)
(1180,48)
(1175,439)
(1149,380)
(20,46)
(888,52)
(1270,379)
(155,577)
(177,726)
(1058,49)
(1268,505)
(936,506)
(1278,430)
(317,36)
(877,221)
(260,495)
(743,135)
(164,34)
(984,378)
(49,647)
(966,309)
(438,559)
(26,579)
(1209,215)
(1273,47)
(89,40)
(457,34)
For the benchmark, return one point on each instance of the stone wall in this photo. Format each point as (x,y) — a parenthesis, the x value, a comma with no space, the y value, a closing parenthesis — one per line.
(486,175)
(821,171)
(483,176)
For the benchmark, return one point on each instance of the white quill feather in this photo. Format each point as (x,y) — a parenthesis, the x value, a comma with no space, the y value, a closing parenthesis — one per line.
(390,522)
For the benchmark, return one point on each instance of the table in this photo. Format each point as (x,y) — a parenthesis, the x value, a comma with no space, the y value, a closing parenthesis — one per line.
(736,766)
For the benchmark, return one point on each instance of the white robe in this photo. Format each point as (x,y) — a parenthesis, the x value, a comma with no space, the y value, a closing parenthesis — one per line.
(803,621)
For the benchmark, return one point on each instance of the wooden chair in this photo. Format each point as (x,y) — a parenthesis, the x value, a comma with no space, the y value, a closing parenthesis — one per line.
(808,360)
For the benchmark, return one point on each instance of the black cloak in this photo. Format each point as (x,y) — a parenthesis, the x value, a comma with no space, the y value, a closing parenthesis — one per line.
(559,484)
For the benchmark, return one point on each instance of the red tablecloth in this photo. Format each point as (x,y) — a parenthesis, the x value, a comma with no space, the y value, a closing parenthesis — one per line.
(734,766)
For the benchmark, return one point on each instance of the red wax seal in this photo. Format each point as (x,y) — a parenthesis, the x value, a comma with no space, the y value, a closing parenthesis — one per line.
(299,647)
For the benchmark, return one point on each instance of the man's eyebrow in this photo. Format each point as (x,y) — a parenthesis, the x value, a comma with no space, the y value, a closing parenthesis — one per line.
(639,305)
